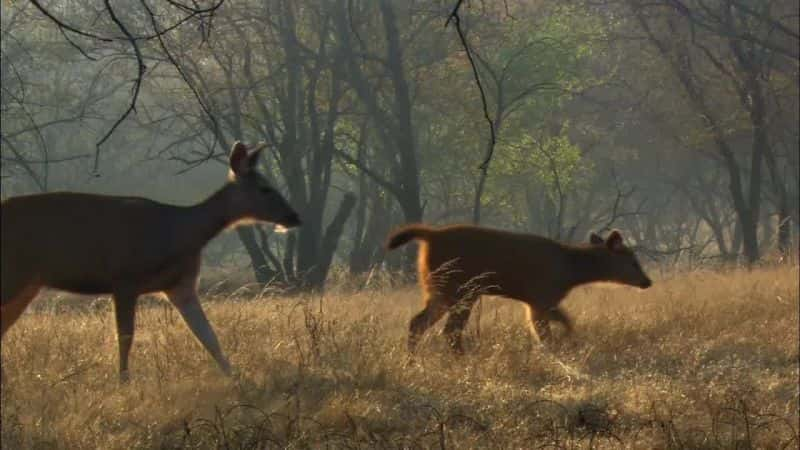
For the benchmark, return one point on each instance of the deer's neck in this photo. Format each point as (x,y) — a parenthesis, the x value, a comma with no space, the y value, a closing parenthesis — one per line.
(587,265)
(202,222)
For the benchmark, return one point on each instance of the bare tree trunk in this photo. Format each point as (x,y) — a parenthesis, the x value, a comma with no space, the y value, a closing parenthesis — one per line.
(782,202)
(391,114)
(746,204)
(392,123)
(484,169)
(317,275)
(261,269)
(288,259)
(368,244)
(736,240)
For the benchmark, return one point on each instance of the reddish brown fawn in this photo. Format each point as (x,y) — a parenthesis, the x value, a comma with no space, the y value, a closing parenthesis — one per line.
(458,263)
(128,246)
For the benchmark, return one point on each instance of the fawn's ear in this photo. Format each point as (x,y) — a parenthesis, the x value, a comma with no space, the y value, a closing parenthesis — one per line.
(239,159)
(614,241)
(595,239)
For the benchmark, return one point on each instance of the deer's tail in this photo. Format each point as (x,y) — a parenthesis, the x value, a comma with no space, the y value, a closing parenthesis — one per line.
(406,234)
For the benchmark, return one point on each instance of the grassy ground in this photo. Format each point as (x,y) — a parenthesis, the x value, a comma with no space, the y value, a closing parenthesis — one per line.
(701,360)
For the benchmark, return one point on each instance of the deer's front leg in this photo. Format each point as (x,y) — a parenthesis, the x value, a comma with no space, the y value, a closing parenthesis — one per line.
(125,314)
(186,301)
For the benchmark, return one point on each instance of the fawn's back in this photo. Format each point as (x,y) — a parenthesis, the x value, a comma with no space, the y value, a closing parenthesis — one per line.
(462,258)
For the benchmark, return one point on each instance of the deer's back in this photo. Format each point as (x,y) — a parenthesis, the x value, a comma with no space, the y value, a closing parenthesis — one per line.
(81,242)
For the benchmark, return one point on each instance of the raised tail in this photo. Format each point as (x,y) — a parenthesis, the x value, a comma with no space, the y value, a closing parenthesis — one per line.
(406,234)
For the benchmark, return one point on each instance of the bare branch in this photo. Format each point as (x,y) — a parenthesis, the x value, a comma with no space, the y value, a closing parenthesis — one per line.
(63,26)
(456,19)
(192,11)
(380,180)
(137,84)
(484,167)
(186,80)
(19,159)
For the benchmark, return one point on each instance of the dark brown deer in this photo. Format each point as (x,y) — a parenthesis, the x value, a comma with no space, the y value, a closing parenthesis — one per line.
(128,246)
(458,263)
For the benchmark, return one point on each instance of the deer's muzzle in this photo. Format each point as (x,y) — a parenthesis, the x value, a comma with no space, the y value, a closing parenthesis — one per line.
(292,220)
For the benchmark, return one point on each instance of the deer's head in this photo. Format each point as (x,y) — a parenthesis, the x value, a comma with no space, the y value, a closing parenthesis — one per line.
(254,197)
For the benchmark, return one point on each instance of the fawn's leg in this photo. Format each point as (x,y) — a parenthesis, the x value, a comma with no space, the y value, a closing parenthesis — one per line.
(185,299)
(456,321)
(539,325)
(125,314)
(434,310)
(557,315)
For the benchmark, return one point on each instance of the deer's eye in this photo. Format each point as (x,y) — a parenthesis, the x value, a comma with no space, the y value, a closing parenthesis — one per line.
(265,189)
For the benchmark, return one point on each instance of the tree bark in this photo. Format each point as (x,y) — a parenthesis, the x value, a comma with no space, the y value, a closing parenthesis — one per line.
(746,204)
(392,122)
(333,234)
(261,269)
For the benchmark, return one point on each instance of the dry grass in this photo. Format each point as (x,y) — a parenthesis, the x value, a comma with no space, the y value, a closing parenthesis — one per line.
(704,360)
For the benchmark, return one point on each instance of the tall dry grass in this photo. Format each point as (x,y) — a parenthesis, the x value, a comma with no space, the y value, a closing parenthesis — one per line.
(701,360)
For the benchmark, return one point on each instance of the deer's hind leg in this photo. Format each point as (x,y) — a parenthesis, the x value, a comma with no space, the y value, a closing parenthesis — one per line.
(456,321)
(435,307)
(15,299)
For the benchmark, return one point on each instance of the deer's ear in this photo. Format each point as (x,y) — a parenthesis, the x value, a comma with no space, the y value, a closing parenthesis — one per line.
(595,239)
(239,160)
(252,158)
(614,241)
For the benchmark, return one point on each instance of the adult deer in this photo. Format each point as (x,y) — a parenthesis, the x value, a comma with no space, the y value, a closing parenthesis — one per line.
(128,246)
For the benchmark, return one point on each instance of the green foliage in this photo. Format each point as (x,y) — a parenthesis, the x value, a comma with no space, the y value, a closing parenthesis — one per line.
(530,65)
(576,91)
(552,161)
